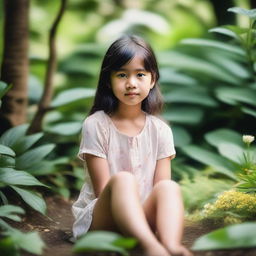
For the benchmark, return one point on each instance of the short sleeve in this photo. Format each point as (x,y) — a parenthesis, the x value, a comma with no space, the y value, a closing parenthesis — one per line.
(165,142)
(94,138)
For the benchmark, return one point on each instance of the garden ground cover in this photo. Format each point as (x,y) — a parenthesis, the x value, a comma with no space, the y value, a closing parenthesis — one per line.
(55,230)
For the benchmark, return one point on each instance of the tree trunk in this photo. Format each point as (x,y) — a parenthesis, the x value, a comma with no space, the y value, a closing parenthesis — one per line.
(44,104)
(15,63)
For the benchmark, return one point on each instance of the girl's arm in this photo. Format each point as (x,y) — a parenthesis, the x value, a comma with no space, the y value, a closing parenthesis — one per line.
(163,170)
(99,172)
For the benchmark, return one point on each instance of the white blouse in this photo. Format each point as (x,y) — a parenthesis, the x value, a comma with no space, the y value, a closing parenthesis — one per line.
(137,154)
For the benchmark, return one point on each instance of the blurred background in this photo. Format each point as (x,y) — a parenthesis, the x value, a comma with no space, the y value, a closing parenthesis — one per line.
(206,57)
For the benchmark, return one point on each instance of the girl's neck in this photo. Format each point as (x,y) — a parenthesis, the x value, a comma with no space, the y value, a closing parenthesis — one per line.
(128,112)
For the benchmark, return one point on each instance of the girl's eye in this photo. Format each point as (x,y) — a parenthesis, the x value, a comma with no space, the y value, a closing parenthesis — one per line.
(141,74)
(121,75)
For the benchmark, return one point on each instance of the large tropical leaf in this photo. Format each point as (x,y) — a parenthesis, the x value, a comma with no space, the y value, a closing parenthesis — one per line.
(219,136)
(66,129)
(9,176)
(32,156)
(249,13)
(197,66)
(11,211)
(26,142)
(30,242)
(181,136)
(4,150)
(208,158)
(184,115)
(104,241)
(32,199)
(231,151)
(11,136)
(234,96)
(69,96)
(212,43)
(231,237)
(187,95)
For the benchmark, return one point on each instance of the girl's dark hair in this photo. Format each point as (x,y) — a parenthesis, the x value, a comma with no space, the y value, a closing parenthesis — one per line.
(119,53)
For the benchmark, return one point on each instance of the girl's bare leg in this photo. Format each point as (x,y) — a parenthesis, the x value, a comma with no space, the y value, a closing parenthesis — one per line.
(118,208)
(164,210)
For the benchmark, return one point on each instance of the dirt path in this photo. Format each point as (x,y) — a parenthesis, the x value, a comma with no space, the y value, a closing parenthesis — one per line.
(55,230)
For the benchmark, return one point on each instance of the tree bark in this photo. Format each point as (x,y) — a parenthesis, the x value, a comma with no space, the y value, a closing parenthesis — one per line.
(15,63)
(44,103)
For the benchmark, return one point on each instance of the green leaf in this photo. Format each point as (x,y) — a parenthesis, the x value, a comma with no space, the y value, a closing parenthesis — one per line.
(33,156)
(184,115)
(249,111)
(32,199)
(220,164)
(181,136)
(4,88)
(219,136)
(12,177)
(171,77)
(66,129)
(7,161)
(231,151)
(249,13)
(126,242)
(193,96)
(231,237)
(6,150)
(99,241)
(72,95)
(229,30)
(11,136)
(235,95)
(30,242)
(212,43)
(26,142)
(196,65)
(11,211)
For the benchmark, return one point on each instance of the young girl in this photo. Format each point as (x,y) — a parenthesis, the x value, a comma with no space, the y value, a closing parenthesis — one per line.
(128,150)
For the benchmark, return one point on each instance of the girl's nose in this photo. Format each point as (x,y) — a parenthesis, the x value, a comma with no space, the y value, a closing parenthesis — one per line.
(131,83)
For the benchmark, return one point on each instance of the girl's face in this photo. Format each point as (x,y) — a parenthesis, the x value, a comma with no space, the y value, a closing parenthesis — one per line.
(131,83)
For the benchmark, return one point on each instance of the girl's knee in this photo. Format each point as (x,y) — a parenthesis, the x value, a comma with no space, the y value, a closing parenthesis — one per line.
(168,185)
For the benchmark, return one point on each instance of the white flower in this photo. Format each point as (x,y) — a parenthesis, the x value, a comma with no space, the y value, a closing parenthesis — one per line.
(248,139)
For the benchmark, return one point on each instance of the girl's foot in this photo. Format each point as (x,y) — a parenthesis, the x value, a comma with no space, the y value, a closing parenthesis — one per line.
(179,250)
(157,250)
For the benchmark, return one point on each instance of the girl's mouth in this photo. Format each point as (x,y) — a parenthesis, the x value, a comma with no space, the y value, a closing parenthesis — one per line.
(131,94)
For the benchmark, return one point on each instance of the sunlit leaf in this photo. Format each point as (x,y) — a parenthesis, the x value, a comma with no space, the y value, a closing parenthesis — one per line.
(32,199)
(231,237)
(249,13)
(69,96)
(65,129)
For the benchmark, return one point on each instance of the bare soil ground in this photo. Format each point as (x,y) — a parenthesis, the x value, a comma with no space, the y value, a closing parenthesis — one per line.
(55,230)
